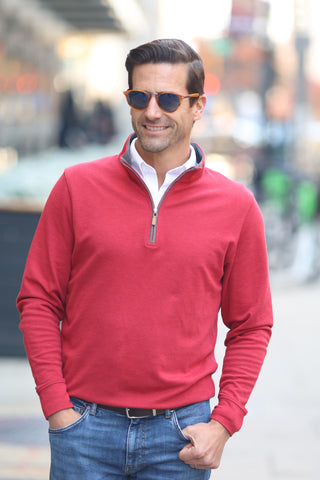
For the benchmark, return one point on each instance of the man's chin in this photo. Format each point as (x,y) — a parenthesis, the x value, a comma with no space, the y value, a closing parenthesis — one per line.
(153,146)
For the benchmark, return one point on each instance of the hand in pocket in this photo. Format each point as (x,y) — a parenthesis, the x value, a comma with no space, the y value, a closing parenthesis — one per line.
(63,418)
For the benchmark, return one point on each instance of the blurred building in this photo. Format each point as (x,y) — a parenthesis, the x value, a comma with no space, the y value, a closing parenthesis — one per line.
(48,47)
(28,62)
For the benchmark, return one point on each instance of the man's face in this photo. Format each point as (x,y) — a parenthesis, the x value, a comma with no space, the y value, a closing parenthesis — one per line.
(159,131)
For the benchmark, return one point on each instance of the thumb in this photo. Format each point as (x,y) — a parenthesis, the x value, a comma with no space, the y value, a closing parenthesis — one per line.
(187,451)
(187,432)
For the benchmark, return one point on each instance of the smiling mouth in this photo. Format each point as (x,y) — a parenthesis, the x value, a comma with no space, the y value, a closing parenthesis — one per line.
(154,129)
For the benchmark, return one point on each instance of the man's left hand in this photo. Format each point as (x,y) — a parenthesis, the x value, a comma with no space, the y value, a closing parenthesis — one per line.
(207,441)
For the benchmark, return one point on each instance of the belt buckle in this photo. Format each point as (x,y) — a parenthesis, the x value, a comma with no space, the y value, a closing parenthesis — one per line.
(154,413)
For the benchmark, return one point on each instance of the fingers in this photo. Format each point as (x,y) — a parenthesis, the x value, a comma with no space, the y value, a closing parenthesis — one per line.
(197,459)
(193,456)
(205,448)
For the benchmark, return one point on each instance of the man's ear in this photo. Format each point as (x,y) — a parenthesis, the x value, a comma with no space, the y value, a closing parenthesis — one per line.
(199,107)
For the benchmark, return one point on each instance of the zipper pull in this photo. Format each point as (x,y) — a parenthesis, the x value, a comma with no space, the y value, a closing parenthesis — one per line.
(154,218)
(153,231)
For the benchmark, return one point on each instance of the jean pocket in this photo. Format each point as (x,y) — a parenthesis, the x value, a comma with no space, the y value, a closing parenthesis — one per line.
(178,428)
(84,414)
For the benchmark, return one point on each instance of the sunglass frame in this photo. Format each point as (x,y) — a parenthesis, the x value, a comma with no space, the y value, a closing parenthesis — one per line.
(158,95)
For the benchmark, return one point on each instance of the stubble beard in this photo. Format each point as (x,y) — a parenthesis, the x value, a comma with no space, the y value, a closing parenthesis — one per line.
(152,145)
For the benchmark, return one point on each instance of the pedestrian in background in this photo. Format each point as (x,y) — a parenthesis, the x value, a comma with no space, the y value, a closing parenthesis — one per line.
(133,258)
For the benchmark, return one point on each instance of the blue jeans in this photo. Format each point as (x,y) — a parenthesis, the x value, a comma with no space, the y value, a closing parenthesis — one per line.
(103,444)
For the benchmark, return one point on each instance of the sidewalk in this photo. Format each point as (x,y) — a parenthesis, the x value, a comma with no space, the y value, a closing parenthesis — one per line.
(24,448)
(280,439)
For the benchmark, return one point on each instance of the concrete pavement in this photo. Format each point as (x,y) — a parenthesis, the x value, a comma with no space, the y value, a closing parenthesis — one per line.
(280,439)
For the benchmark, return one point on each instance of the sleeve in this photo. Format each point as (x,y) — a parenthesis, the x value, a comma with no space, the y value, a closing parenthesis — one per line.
(246,310)
(41,300)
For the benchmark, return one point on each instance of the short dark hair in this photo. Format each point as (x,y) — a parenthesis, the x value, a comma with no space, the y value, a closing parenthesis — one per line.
(169,51)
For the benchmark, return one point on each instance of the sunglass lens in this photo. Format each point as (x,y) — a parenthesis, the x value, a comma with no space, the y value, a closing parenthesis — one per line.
(168,101)
(138,99)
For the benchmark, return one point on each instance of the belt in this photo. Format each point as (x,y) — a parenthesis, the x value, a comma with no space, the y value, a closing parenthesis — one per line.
(134,412)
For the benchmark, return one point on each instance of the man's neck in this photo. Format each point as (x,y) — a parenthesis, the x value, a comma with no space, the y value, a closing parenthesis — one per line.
(163,161)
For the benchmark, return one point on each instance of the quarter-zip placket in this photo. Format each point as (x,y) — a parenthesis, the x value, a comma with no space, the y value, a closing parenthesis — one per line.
(155,210)
(155,214)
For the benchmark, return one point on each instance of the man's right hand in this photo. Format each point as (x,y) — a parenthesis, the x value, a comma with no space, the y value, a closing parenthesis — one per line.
(63,418)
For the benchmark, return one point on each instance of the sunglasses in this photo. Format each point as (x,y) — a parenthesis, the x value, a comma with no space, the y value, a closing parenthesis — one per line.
(169,102)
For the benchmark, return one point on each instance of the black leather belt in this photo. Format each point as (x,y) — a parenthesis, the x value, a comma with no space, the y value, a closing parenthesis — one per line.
(134,412)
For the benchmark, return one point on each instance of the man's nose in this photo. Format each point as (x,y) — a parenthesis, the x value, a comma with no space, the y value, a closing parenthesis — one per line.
(153,110)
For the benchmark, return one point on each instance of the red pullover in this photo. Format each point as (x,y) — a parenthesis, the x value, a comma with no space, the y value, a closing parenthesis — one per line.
(119,304)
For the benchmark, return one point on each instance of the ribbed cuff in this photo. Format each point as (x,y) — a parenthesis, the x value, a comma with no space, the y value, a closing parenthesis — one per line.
(54,398)
(229,414)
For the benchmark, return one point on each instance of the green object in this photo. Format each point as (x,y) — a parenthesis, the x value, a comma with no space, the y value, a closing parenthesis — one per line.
(277,188)
(306,200)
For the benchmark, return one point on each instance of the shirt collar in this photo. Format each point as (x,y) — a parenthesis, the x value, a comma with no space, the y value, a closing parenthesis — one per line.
(141,166)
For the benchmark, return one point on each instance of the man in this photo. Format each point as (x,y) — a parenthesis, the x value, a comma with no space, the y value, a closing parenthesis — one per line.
(133,257)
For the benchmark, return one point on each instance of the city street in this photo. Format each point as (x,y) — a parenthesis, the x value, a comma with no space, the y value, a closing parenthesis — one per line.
(280,439)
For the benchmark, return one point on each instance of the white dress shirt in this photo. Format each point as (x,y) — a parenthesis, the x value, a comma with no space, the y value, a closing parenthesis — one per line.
(149,174)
